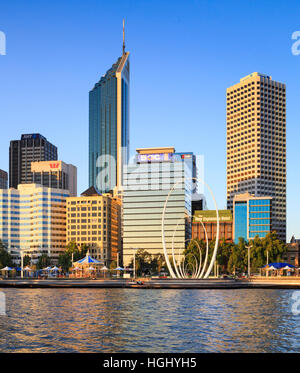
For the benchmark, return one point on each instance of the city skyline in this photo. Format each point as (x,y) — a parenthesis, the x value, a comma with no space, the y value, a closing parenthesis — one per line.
(215,170)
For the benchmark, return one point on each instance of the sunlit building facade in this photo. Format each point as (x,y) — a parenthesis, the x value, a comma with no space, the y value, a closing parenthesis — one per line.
(33,218)
(147,183)
(205,225)
(256,143)
(94,220)
(55,174)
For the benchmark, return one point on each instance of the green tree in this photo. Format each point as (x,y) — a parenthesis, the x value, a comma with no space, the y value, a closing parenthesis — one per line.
(43,261)
(65,259)
(26,260)
(238,257)
(143,262)
(5,257)
(157,263)
(113,265)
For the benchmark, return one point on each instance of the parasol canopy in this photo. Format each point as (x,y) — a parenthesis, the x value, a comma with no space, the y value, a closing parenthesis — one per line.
(6,269)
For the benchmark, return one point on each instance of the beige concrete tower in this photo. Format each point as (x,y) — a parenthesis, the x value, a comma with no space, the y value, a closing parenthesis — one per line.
(256,143)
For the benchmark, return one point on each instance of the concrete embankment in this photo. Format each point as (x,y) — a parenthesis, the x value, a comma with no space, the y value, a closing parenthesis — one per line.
(155,283)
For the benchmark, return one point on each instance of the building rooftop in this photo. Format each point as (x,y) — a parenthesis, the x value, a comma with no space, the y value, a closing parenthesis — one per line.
(90,192)
(255,74)
(164,149)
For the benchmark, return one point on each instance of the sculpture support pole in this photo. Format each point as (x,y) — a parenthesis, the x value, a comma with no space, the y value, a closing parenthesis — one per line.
(173,275)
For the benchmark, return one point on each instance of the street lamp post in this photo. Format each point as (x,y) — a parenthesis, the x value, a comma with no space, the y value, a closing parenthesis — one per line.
(22,264)
(21,252)
(134,264)
(249,270)
(267,262)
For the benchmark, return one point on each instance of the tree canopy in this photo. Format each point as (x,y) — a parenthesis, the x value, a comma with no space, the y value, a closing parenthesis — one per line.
(65,259)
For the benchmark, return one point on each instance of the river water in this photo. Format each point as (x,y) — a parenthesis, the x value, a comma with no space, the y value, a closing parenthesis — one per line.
(149,320)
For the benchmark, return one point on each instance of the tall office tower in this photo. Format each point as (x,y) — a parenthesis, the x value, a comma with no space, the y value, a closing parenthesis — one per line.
(31,148)
(109,126)
(33,218)
(256,143)
(147,183)
(55,174)
(3,179)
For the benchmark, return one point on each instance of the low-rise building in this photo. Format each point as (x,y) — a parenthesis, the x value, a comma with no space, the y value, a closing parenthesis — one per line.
(94,220)
(252,216)
(206,220)
(292,254)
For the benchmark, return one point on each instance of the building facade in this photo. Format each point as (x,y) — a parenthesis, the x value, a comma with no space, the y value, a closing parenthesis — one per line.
(33,219)
(31,148)
(3,179)
(147,183)
(252,216)
(207,221)
(109,126)
(55,174)
(292,254)
(94,219)
(256,143)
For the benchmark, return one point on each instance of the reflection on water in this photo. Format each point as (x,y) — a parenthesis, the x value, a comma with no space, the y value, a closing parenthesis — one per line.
(144,320)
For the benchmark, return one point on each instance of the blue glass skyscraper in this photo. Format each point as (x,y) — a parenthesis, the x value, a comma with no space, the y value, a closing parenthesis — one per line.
(109,126)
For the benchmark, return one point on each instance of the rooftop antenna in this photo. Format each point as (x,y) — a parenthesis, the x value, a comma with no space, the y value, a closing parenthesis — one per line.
(123,36)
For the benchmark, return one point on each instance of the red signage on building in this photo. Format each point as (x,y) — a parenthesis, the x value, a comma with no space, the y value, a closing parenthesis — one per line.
(54,165)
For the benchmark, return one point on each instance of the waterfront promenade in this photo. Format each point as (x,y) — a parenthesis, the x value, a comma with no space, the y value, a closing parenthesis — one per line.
(263,283)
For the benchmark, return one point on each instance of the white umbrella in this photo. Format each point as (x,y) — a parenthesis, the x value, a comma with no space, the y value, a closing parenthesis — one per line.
(6,269)
(54,269)
(287,267)
(47,269)
(271,268)
(91,268)
(119,269)
(27,269)
(104,268)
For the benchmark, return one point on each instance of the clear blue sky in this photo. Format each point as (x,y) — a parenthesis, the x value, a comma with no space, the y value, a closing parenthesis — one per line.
(183,56)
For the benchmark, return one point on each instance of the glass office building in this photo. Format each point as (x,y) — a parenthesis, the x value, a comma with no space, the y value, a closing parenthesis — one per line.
(31,148)
(33,218)
(109,127)
(147,183)
(252,216)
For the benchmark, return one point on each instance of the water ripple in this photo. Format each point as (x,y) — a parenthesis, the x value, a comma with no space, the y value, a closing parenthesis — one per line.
(144,320)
